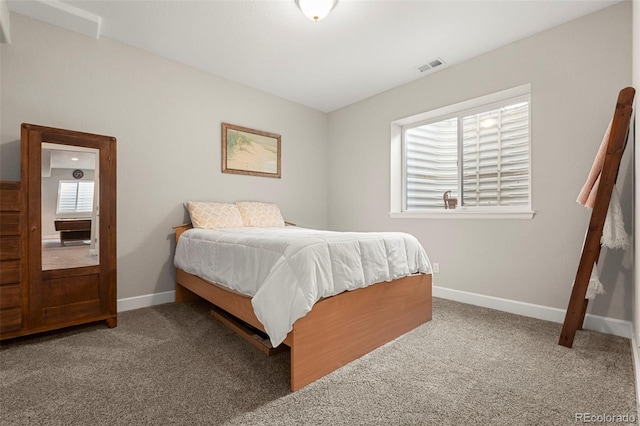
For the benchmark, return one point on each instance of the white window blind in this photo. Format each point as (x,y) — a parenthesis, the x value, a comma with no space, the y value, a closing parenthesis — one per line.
(481,155)
(495,158)
(75,196)
(431,163)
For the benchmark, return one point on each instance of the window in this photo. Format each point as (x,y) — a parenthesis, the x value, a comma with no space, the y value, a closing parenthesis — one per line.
(468,159)
(75,196)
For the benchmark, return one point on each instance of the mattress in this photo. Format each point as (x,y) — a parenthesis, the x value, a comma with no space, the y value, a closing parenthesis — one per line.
(286,270)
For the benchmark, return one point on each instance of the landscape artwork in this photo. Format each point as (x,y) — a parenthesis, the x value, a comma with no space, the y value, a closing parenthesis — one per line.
(250,152)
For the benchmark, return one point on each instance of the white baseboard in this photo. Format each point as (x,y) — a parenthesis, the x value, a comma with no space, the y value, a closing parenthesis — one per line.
(591,322)
(145,301)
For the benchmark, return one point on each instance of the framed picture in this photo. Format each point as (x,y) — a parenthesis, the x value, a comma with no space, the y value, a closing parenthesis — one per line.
(250,152)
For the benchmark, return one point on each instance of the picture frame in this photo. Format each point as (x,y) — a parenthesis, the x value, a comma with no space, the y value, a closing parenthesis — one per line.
(251,152)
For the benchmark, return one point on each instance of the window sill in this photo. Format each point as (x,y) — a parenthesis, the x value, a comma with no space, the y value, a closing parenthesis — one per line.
(463,214)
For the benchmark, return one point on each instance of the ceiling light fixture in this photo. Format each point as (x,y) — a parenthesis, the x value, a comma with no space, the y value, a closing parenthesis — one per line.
(316,9)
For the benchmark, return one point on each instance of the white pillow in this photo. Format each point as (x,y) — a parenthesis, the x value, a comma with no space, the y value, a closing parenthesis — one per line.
(214,215)
(260,215)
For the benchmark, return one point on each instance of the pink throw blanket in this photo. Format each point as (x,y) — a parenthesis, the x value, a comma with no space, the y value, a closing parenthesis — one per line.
(588,193)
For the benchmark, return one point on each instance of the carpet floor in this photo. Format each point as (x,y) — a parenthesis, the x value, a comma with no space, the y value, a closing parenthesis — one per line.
(72,255)
(175,364)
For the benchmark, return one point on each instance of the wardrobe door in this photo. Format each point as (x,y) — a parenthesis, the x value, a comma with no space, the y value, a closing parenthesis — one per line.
(71,226)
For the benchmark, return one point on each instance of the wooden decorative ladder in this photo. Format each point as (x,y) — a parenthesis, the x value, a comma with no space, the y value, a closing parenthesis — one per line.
(618,136)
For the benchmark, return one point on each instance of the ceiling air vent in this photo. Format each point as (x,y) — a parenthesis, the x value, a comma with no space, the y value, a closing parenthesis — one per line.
(435,63)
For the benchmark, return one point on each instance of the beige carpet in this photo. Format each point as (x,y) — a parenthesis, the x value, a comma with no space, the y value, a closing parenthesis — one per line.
(73,254)
(174,364)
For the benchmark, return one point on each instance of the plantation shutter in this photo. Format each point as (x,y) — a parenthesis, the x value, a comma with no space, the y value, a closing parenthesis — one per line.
(75,196)
(67,197)
(495,157)
(85,196)
(431,153)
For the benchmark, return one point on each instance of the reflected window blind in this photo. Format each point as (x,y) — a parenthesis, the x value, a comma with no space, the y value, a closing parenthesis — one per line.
(75,196)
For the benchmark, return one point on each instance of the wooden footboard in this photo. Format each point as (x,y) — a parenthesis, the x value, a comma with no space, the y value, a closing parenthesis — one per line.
(339,329)
(345,327)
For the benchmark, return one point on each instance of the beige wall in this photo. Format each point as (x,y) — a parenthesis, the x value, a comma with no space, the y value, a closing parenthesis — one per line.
(166,117)
(575,71)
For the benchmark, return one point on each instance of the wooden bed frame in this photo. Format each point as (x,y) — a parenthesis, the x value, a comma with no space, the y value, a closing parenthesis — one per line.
(339,329)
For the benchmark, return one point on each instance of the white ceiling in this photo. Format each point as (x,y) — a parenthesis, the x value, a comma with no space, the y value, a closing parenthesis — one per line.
(69,157)
(362,48)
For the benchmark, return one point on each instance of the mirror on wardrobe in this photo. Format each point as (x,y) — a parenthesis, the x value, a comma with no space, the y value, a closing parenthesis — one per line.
(69,203)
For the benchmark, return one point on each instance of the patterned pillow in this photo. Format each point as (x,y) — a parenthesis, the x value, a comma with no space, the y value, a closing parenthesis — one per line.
(260,215)
(214,215)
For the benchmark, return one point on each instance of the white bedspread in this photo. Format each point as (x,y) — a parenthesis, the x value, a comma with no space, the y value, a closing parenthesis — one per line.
(286,270)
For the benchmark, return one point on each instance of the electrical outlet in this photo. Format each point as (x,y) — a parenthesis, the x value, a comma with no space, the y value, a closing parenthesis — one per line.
(436,268)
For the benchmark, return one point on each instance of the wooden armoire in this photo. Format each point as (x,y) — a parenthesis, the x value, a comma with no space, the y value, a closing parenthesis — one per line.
(35,296)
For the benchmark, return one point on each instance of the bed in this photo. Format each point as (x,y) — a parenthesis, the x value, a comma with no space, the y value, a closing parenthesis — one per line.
(337,329)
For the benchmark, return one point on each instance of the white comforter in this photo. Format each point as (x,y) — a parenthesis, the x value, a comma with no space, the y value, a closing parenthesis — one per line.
(286,270)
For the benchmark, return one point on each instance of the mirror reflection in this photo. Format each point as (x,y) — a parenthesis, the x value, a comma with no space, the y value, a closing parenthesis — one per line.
(69,206)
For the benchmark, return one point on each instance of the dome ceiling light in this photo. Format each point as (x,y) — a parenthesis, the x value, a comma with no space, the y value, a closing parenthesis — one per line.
(316,9)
